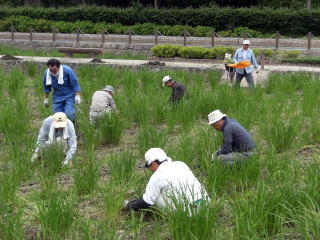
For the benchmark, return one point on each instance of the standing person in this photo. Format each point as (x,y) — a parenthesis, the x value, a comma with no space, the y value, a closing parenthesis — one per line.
(243,54)
(66,89)
(171,183)
(102,103)
(178,90)
(57,129)
(237,143)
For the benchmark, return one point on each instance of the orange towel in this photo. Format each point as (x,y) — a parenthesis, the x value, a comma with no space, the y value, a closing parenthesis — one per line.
(242,64)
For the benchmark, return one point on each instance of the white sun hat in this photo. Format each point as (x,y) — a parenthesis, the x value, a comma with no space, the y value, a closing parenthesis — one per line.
(108,88)
(215,116)
(60,120)
(154,154)
(246,41)
(166,79)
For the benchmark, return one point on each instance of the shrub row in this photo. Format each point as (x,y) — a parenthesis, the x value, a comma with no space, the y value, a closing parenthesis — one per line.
(22,24)
(171,51)
(306,60)
(287,21)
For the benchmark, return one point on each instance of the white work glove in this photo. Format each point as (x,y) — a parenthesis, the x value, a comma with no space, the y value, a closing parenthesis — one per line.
(46,102)
(65,163)
(34,157)
(77,99)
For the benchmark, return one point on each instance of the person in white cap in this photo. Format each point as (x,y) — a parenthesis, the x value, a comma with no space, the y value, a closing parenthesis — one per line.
(243,54)
(237,142)
(102,103)
(171,183)
(57,129)
(178,90)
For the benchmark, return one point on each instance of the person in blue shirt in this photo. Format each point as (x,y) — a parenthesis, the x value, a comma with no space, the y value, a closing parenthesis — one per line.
(66,89)
(243,54)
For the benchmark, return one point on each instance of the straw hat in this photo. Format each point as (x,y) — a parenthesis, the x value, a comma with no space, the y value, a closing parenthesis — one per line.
(60,120)
(215,116)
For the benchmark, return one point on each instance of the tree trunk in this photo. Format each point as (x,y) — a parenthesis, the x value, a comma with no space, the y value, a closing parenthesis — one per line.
(309,4)
(156,4)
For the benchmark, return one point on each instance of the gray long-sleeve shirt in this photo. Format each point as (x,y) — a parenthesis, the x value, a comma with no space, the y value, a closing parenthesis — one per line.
(178,91)
(44,136)
(235,138)
(102,101)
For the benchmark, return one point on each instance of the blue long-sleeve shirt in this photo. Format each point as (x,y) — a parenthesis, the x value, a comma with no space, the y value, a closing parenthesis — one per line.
(235,138)
(238,57)
(65,90)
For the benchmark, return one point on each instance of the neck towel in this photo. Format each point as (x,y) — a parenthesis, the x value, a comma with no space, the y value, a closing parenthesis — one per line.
(49,77)
(52,133)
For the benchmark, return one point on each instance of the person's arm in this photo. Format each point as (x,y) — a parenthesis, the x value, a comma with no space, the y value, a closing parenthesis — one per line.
(46,88)
(138,204)
(253,60)
(72,142)
(227,141)
(235,57)
(43,135)
(73,80)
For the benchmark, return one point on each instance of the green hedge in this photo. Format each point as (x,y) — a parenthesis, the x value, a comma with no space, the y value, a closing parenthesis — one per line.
(306,60)
(171,51)
(287,21)
(22,24)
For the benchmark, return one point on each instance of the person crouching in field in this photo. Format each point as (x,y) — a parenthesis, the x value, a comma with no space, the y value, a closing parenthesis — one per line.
(178,90)
(237,142)
(102,103)
(59,131)
(171,184)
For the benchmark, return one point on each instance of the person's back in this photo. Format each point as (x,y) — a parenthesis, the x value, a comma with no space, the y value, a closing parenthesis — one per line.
(178,91)
(238,136)
(101,101)
(177,183)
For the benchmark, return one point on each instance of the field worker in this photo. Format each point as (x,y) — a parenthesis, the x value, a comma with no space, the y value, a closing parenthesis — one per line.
(102,103)
(57,129)
(66,89)
(243,54)
(178,90)
(237,142)
(171,183)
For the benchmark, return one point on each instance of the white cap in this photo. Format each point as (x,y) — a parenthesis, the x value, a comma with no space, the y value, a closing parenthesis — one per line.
(166,79)
(155,154)
(246,41)
(215,116)
(60,120)
(108,88)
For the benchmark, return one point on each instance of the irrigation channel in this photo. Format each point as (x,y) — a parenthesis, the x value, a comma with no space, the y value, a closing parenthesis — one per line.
(275,196)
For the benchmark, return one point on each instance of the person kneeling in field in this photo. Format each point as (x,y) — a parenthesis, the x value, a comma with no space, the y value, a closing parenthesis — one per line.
(172,183)
(237,142)
(57,130)
(178,90)
(102,103)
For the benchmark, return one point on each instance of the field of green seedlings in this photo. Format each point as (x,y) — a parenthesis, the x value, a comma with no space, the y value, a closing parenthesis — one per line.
(275,196)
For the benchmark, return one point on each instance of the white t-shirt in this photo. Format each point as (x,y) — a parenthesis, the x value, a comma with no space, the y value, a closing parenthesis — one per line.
(172,182)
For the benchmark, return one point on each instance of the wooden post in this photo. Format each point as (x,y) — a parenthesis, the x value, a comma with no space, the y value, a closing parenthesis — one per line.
(309,40)
(277,40)
(245,35)
(78,37)
(262,59)
(12,33)
(212,37)
(130,36)
(30,31)
(54,35)
(185,37)
(103,37)
(156,33)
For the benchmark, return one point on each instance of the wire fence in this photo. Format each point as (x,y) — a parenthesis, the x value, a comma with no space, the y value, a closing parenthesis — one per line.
(276,41)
